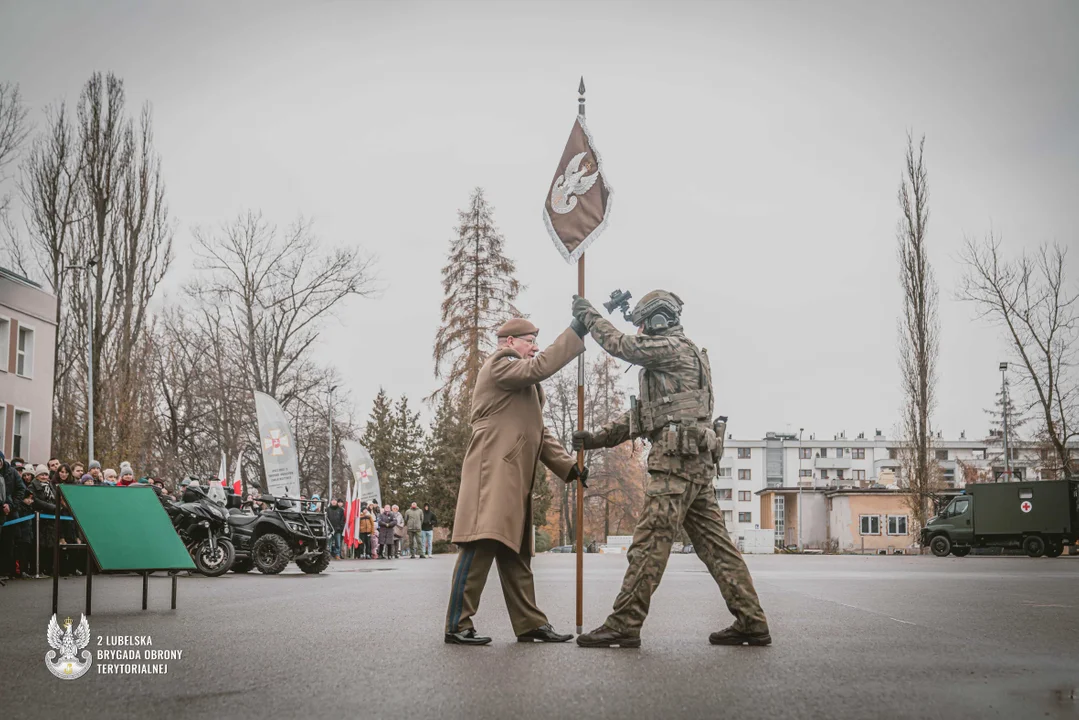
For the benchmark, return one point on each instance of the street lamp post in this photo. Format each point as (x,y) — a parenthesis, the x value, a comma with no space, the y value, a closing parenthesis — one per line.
(1004,412)
(800,431)
(329,418)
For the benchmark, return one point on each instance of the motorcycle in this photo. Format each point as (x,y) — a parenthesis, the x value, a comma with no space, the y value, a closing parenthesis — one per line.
(203,527)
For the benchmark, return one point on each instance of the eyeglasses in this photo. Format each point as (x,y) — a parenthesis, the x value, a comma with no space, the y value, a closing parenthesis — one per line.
(529,340)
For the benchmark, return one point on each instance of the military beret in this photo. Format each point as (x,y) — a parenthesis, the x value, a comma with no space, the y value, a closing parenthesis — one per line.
(517,327)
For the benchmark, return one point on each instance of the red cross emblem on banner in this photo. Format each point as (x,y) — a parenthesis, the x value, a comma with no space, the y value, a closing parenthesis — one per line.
(362,473)
(1026,506)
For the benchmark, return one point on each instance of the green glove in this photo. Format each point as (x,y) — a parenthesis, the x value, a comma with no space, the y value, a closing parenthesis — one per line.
(584,312)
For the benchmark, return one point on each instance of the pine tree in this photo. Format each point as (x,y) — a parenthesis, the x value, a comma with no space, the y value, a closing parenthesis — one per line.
(408,444)
(445,453)
(479,289)
(1016,420)
(379,439)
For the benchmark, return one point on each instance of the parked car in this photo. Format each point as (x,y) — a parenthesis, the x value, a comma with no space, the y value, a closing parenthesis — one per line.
(562,549)
(687,549)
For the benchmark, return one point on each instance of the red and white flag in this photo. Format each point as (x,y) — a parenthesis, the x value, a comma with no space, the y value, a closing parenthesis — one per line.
(237,480)
(348,515)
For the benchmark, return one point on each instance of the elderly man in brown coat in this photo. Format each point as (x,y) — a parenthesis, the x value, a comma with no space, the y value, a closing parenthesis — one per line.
(494,504)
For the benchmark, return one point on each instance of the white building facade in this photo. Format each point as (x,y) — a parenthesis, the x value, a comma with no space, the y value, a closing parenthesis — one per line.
(27,346)
(780,460)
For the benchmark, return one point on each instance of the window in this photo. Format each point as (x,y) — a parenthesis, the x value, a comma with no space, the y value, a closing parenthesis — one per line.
(744,453)
(897,524)
(839,452)
(745,496)
(744,474)
(870,524)
(5,335)
(824,452)
(805,454)
(859,474)
(858,453)
(942,454)
(728,517)
(724,494)
(24,359)
(779,510)
(1044,452)
(805,473)
(823,474)
(725,472)
(839,474)
(961,506)
(745,517)
(20,441)
(893,454)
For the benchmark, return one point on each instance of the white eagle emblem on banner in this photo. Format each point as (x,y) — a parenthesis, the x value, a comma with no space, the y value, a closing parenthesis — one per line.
(68,644)
(570,183)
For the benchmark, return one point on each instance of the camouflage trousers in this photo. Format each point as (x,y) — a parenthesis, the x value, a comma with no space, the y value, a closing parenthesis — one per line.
(672,503)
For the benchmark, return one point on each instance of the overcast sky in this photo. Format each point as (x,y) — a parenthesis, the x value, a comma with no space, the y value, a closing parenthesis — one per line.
(755,150)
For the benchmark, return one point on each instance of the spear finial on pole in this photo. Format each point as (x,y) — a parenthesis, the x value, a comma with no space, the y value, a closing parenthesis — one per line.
(580,100)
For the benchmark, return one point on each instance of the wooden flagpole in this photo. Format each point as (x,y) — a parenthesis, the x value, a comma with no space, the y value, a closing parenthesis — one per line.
(580,426)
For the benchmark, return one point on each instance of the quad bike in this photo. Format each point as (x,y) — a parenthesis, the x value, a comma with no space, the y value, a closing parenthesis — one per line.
(285,531)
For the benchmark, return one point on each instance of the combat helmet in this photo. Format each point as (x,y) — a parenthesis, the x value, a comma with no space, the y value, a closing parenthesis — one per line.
(658,310)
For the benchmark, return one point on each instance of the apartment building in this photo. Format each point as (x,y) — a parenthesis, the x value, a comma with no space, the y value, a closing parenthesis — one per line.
(784,461)
(27,347)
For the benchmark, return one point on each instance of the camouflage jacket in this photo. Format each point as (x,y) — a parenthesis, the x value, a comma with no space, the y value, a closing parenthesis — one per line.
(670,365)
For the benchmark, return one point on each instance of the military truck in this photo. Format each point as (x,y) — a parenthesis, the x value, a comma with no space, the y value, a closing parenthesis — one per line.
(1040,517)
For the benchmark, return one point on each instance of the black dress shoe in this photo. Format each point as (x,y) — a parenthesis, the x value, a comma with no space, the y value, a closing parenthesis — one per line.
(604,636)
(730,636)
(466,637)
(544,633)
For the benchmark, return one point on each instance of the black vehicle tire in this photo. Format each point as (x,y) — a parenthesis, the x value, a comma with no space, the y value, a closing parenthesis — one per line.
(1034,546)
(217,565)
(314,567)
(243,566)
(1054,549)
(960,551)
(940,545)
(271,554)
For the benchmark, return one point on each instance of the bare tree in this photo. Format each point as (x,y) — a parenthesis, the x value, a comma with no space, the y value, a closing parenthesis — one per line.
(479,286)
(13,131)
(919,331)
(1032,300)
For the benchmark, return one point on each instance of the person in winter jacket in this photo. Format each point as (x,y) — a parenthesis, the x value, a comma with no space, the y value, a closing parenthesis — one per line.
(367,529)
(44,503)
(387,521)
(427,530)
(414,525)
(127,475)
(11,509)
(336,516)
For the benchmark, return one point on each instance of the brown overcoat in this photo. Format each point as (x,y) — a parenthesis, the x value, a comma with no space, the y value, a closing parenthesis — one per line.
(508,440)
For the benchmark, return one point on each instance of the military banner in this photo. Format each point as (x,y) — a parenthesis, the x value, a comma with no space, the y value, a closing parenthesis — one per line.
(363,470)
(579,200)
(278,448)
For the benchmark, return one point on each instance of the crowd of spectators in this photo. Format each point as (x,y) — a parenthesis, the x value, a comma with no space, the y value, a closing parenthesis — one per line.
(28,505)
(384,533)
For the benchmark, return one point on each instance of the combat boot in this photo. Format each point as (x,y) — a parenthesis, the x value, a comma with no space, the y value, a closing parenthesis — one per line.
(732,636)
(604,636)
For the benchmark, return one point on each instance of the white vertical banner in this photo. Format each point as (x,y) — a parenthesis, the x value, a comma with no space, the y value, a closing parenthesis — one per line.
(278,448)
(363,469)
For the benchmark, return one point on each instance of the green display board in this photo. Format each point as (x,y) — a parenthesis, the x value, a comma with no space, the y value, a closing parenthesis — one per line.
(126,528)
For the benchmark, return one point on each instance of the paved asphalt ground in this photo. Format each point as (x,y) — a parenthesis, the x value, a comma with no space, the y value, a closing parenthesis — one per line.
(855,637)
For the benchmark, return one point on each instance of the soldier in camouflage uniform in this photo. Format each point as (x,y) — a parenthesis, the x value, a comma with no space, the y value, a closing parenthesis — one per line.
(675,414)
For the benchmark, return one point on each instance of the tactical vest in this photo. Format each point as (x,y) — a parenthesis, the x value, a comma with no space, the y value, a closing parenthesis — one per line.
(678,421)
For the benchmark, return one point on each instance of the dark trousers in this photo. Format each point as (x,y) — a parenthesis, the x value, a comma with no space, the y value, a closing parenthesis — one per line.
(515,572)
(365,549)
